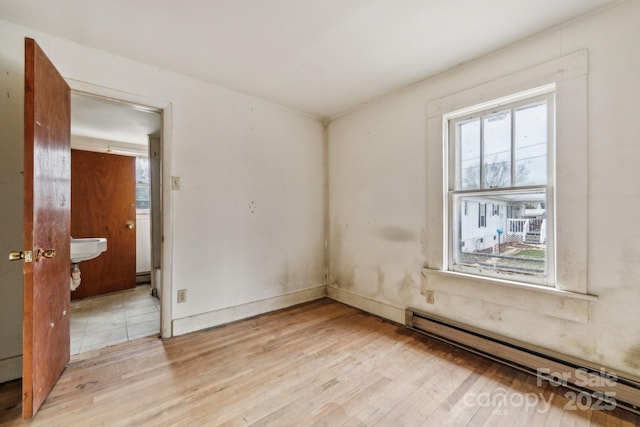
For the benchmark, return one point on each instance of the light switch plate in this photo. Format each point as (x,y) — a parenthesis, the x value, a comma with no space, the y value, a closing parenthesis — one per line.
(175,182)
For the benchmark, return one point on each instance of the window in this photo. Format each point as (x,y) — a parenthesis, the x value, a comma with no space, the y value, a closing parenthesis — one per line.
(565,80)
(500,154)
(142,184)
(482,214)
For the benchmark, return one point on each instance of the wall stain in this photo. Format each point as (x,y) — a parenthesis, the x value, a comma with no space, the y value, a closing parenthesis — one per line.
(335,256)
(397,234)
(285,278)
(497,316)
(405,288)
(350,284)
(380,281)
(629,275)
(632,358)
(588,350)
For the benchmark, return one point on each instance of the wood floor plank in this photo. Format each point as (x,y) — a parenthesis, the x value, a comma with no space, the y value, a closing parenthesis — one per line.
(321,363)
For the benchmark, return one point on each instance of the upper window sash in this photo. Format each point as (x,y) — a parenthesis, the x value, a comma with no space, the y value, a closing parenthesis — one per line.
(474,120)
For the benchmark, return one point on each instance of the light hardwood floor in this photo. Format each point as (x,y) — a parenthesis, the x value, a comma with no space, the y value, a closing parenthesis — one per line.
(322,363)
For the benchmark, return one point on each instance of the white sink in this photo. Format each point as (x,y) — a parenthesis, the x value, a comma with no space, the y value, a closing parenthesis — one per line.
(88,248)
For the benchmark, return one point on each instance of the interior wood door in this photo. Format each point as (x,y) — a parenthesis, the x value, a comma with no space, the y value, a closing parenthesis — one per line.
(47,108)
(103,205)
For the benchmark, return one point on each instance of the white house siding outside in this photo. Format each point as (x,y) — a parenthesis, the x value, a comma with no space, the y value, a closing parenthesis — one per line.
(478,233)
(481,218)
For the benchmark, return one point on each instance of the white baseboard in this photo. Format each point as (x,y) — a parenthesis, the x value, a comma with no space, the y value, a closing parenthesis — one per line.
(387,311)
(243,311)
(10,368)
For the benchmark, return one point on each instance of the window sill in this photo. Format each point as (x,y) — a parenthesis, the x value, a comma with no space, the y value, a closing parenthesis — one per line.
(535,298)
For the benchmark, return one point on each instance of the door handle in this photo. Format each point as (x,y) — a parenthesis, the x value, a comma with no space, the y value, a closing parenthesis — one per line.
(131,225)
(27,256)
(49,253)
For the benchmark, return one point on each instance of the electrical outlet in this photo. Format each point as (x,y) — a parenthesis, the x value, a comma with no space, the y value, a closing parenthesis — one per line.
(175,182)
(430,296)
(182,296)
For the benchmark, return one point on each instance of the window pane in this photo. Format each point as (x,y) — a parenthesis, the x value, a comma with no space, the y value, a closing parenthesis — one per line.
(531,144)
(142,183)
(142,170)
(468,134)
(512,242)
(142,196)
(497,150)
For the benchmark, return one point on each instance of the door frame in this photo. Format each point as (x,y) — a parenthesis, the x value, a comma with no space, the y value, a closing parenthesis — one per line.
(164,107)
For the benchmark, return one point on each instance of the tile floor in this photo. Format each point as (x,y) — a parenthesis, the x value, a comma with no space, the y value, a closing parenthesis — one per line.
(111,319)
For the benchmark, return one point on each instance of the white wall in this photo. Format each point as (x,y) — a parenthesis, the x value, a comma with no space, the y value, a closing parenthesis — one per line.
(248,220)
(378,197)
(11,186)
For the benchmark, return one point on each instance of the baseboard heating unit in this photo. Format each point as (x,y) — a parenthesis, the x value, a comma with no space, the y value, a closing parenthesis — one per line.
(600,383)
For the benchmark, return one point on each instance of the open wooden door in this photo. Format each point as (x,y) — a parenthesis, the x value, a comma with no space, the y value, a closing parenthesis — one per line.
(47,208)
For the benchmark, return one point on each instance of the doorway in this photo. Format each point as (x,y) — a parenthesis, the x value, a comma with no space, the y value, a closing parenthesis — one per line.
(114,142)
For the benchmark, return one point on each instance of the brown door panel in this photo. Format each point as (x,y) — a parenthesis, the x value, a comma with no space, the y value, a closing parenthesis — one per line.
(103,205)
(47,108)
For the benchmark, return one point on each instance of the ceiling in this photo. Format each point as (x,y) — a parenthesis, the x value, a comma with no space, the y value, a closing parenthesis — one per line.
(322,57)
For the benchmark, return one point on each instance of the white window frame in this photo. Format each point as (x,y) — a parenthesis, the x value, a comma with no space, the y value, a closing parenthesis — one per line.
(569,73)
(453,185)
